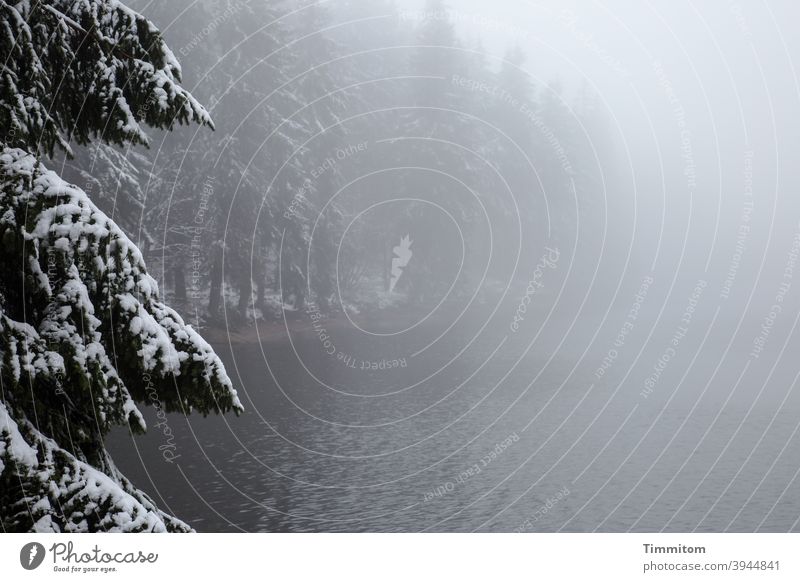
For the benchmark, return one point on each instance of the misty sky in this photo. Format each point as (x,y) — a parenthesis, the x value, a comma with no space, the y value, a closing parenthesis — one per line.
(695,133)
(692,88)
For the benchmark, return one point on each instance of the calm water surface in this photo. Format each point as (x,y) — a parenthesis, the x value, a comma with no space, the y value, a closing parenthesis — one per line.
(484,430)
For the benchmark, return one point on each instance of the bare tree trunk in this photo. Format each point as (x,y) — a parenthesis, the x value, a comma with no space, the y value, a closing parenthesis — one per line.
(261,288)
(245,292)
(179,280)
(261,275)
(215,296)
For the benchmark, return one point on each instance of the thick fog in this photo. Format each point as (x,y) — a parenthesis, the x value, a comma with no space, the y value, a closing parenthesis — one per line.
(422,231)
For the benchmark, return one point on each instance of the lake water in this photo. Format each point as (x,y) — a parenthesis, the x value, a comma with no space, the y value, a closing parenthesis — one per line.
(490,429)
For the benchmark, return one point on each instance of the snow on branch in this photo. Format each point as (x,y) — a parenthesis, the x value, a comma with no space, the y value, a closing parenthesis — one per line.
(80,69)
(99,304)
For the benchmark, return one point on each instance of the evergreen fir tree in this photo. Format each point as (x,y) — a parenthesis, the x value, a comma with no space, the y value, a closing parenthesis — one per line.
(83,333)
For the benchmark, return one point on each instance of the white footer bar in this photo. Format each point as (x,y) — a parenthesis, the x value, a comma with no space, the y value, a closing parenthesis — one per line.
(388,557)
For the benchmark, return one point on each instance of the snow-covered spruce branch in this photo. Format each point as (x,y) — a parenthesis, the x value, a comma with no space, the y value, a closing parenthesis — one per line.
(81,322)
(93,327)
(115,77)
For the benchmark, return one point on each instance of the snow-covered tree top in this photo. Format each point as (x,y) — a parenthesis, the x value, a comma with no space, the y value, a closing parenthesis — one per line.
(74,70)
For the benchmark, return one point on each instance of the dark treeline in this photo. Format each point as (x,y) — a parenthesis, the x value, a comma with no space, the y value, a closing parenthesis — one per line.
(340,129)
